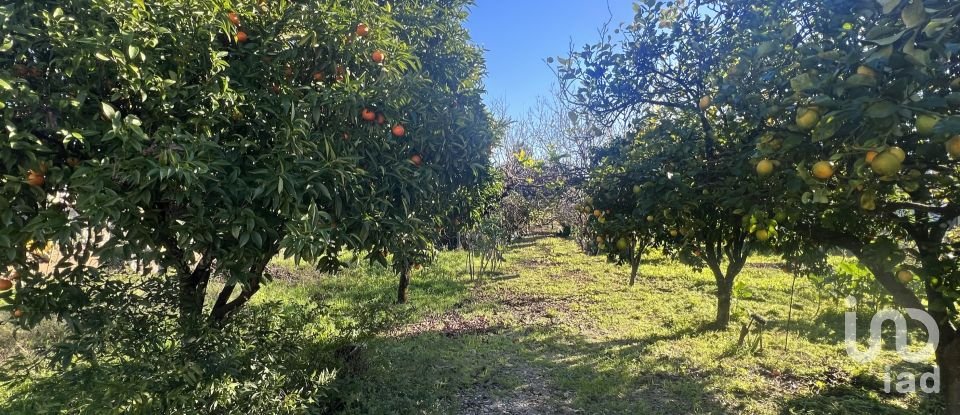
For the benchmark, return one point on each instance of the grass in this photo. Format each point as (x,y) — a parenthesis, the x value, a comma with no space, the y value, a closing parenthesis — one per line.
(561,332)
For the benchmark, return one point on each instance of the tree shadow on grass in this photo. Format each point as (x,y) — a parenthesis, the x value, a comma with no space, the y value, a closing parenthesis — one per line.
(277,351)
(530,240)
(857,398)
(528,370)
(828,326)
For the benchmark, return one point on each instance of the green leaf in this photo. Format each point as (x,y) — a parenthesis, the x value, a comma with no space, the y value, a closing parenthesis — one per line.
(7,44)
(889,5)
(913,15)
(801,82)
(882,109)
(133,51)
(108,110)
(889,39)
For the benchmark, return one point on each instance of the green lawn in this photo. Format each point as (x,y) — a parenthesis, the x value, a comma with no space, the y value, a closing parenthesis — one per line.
(560,332)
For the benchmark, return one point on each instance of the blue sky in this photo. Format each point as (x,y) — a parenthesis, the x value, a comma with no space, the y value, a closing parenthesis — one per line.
(520,34)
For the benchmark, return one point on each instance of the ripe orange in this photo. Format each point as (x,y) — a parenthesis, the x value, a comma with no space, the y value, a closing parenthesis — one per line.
(381,119)
(35,179)
(318,76)
(378,56)
(17,313)
(764,168)
(234,19)
(705,103)
(597,213)
(275,88)
(362,30)
(870,156)
(398,130)
(823,170)
(953,147)
(368,115)
(288,72)
(5,284)
(905,276)
(242,37)
(416,159)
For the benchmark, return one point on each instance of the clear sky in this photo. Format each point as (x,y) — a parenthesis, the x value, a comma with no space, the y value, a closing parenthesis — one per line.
(520,34)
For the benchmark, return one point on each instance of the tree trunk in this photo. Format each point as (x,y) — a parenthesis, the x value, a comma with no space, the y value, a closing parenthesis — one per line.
(224,307)
(193,289)
(724,300)
(948,359)
(724,291)
(634,268)
(402,287)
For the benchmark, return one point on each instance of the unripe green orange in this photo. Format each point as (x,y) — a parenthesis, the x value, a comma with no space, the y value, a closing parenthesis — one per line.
(926,123)
(808,117)
(868,202)
(886,164)
(762,235)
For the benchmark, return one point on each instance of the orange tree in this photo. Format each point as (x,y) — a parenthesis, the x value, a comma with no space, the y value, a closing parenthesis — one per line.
(851,138)
(867,134)
(449,136)
(620,211)
(688,151)
(202,139)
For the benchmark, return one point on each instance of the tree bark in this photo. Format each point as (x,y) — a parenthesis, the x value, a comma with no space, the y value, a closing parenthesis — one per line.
(724,301)
(193,288)
(224,307)
(634,268)
(948,359)
(402,287)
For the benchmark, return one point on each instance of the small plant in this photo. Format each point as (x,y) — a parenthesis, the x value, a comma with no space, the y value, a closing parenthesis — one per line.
(485,244)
